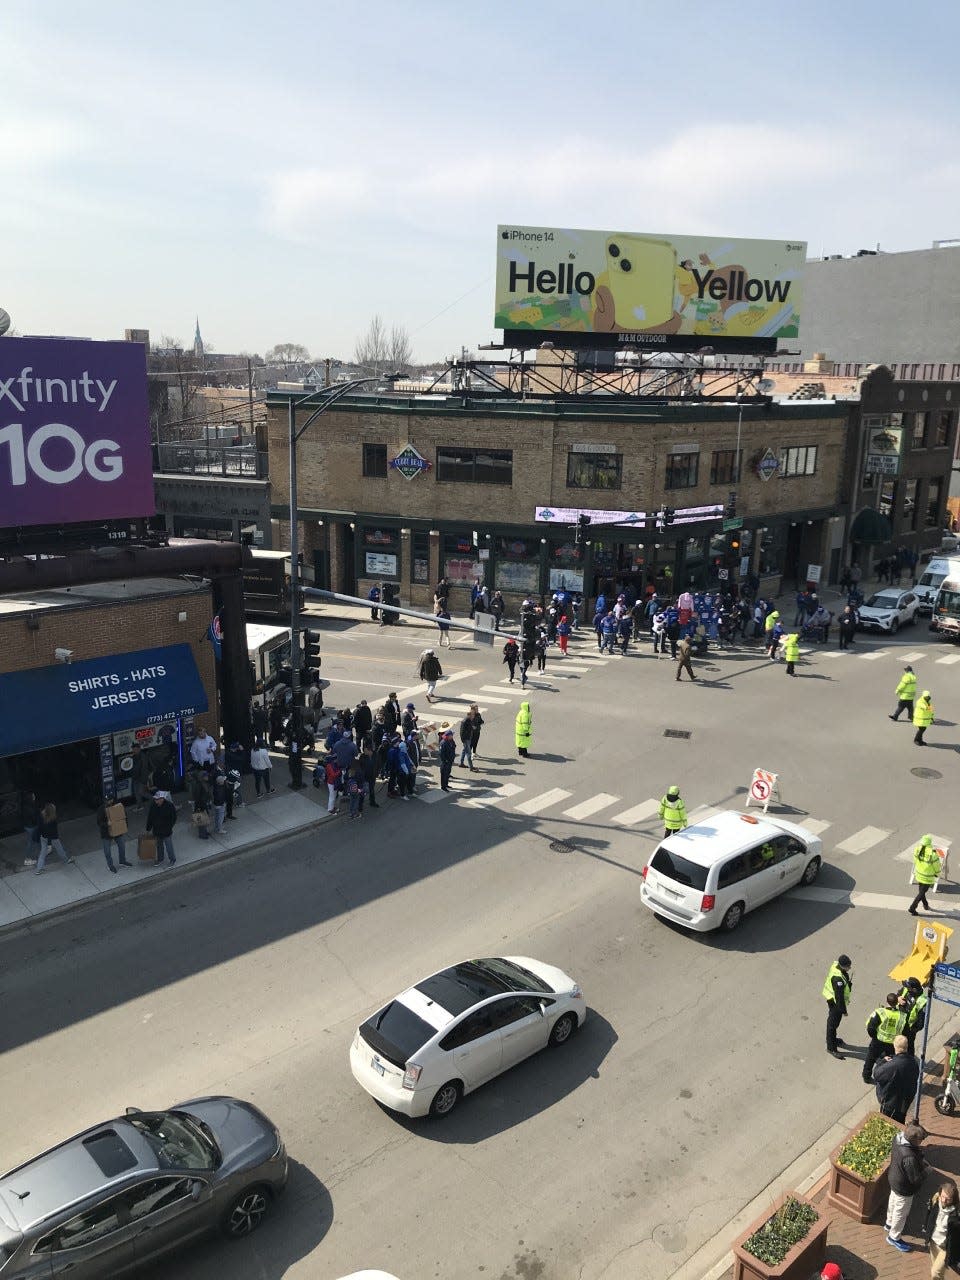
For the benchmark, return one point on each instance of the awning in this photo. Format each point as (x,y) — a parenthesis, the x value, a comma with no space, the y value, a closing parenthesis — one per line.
(871,527)
(49,706)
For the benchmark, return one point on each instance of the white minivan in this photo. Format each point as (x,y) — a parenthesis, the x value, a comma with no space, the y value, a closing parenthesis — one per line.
(709,875)
(929,582)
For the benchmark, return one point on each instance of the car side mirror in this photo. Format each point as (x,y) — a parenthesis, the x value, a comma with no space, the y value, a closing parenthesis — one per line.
(196,1189)
(543,1008)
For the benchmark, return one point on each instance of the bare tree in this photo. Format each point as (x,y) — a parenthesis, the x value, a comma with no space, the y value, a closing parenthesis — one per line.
(373,347)
(182,373)
(288,353)
(399,350)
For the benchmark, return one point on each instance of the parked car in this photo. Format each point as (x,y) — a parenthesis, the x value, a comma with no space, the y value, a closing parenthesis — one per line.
(710,875)
(459,1028)
(889,611)
(123,1193)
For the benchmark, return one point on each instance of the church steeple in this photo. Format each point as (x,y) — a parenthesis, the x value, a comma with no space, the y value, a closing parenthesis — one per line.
(198,342)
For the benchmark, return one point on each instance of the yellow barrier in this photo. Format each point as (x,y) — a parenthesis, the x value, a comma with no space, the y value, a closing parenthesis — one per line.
(929,948)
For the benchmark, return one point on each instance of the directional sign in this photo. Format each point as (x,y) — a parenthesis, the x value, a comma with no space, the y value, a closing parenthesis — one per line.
(735,523)
(946,983)
(763,784)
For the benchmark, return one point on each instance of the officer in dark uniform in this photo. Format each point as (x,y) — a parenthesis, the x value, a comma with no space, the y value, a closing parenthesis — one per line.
(915,1001)
(837,989)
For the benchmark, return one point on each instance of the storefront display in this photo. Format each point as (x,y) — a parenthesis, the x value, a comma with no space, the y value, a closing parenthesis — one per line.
(518,565)
(461,562)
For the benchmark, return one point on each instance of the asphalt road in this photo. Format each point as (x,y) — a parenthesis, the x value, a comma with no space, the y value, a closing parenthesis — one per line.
(700,1073)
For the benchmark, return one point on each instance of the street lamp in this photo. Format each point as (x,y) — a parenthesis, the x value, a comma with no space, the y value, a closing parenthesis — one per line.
(330,396)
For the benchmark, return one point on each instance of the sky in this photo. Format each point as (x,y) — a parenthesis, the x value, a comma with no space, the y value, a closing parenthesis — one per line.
(285,173)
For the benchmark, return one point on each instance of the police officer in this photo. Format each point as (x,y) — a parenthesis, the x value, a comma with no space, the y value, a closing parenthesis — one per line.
(791,651)
(906,692)
(915,998)
(837,988)
(926,871)
(886,1022)
(673,812)
(923,717)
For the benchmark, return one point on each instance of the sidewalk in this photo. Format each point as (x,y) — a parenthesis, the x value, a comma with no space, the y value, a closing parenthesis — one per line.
(860,1249)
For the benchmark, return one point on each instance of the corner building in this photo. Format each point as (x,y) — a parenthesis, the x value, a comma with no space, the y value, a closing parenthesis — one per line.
(470,505)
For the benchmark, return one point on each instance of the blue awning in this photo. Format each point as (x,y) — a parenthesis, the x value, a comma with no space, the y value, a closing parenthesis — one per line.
(49,706)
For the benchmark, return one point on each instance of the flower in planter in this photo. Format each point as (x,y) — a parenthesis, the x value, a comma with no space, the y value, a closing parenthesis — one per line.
(869,1149)
(788,1226)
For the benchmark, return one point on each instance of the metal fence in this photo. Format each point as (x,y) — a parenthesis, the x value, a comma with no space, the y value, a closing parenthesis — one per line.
(197,458)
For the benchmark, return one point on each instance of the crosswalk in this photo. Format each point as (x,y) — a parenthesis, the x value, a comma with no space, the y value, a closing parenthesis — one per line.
(872,655)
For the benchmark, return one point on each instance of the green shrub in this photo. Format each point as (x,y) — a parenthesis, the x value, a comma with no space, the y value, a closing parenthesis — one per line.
(869,1149)
(774,1240)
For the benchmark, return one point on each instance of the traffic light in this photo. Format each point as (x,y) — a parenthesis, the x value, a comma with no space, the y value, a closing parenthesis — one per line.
(582,522)
(731,507)
(665,516)
(310,651)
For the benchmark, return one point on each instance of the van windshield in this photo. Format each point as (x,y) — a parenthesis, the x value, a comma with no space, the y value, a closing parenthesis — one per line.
(948,601)
(931,579)
(673,867)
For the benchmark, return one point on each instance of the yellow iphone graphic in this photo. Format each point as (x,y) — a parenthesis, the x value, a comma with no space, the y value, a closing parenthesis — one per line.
(641,275)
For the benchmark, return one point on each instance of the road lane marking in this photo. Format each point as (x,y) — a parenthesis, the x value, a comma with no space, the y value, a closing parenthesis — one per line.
(815,825)
(502,688)
(593,805)
(637,814)
(872,657)
(939,842)
(544,801)
(494,797)
(862,840)
(948,660)
(846,898)
(416,689)
(914,657)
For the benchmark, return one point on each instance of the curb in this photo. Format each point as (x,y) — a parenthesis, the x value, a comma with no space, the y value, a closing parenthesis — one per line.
(122,892)
(806,1173)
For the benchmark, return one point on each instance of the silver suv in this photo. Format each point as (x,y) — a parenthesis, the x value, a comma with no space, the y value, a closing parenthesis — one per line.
(124,1193)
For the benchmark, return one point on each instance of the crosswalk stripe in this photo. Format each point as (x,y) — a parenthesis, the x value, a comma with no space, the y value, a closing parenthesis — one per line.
(831,653)
(914,657)
(939,842)
(475,697)
(701,813)
(575,666)
(814,825)
(431,796)
(948,660)
(593,805)
(502,688)
(862,840)
(543,801)
(452,708)
(494,797)
(637,814)
(879,901)
(872,657)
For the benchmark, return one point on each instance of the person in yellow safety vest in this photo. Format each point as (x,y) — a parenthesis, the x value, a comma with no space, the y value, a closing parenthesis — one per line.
(906,692)
(673,812)
(523,728)
(883,1024)
(915,997)
(926,871)
(791,651)
(837,989)
(922,717)
(769,622)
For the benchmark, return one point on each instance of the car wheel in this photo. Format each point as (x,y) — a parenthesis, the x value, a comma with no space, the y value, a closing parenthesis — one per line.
(945,1104)
(732,918)
(446,1098)
(246,1212)
(810,871)
(894,626)
(563,1029)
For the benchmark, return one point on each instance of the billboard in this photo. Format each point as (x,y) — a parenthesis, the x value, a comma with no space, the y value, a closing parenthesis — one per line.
(667,293)
(883,451)
(74,431)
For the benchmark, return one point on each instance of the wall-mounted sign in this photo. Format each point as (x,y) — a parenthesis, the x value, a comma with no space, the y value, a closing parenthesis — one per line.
(74,431)
(568,515)
(410,462)
(379,562)
(883,451)
(768,465)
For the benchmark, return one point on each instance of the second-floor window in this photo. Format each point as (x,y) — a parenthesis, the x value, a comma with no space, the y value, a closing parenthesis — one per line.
(682,469)
(594,470)
(798,460)
(725,467)
(374,459)
(475,466)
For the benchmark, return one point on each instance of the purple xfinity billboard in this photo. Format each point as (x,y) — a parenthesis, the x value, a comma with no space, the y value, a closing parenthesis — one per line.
(74,431)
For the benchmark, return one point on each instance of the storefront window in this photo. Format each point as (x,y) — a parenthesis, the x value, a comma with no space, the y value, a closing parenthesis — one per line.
(566,567)
(773,548)
(461,564)
(381,553)
(420,557)
(518,564)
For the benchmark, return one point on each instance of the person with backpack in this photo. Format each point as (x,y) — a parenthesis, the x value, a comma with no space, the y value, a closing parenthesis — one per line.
(540,649)
(511,656)
(332,774)
(448,754)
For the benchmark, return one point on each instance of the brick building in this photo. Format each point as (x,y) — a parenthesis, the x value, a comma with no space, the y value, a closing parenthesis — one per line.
(480,468)
(39,630)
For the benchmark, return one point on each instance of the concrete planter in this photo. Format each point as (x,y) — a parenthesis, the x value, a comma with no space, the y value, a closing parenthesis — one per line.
(804,1260)
(859,1198)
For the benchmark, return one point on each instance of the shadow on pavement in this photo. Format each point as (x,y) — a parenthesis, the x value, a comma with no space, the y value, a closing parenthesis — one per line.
(298,1222)
(524,1090)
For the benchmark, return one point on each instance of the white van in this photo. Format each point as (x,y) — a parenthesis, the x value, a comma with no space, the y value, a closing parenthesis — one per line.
(709,875)
(928,585)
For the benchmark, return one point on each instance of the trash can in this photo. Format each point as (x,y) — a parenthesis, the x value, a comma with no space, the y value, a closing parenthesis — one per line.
(389,594)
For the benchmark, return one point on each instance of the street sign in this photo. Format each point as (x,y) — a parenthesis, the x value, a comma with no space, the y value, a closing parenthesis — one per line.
(763,784)
(723,574)
(813,573)
(735,523)
(946,983)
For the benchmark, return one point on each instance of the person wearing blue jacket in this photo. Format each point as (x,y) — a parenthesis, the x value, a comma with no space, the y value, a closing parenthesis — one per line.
(608,631)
